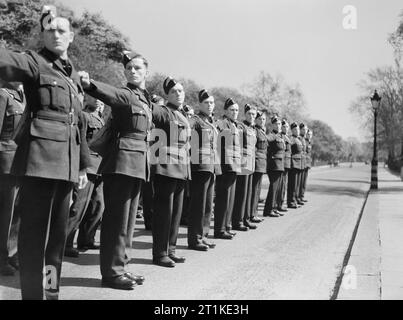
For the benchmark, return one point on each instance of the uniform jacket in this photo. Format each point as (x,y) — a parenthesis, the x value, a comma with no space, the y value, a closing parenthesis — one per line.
(229,145)
(276,152)
(52,143)
(287,153)
(171,151)
(308,153)
(132,120)
(303,155)
(248,143)
(261,150)
(94,124)
(296,153)
(204,155)
(12,106)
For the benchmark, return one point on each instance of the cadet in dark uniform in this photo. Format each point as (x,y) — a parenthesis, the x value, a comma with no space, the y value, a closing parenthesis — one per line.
(171,159)
(230,158)
(52,154)
(302,135)
(287,164)
(296,165)
(275,168)
(124,167)
(93,215)
(205,166)
(12,105)
(261,164)
(243,191)
(308,162)
(82,197)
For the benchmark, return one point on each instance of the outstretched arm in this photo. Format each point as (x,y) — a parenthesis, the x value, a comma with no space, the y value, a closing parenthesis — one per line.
(15,66)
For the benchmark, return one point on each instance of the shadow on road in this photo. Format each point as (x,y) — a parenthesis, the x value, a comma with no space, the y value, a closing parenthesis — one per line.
(344,181)
(80,282)
(85,259)
(336,190)
(390,190)
(10,282)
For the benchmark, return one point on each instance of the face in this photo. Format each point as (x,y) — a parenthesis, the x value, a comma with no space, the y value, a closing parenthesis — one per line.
(232,112)
(100,106)
(176,95)
(284,128)
(207,106)
(310,134)
(277,126)
(136,72)
(261,121)
(58,36)
(295,131)
(302,131)
(250,116)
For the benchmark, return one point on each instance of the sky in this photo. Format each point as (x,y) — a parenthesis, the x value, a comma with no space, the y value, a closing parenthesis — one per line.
(228,42)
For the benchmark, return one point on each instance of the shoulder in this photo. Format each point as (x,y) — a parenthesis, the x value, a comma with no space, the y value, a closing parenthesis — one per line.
(271,137)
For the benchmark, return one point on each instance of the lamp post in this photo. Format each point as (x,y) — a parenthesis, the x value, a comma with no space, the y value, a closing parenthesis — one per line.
(375,101)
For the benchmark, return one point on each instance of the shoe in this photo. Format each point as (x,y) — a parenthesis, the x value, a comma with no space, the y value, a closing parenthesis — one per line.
(121,282)
(292,206)
(7,270)
(211,245)
(282,210)
(137,278)
(300,202)
(86,247)
(303,200)
(256,220)
(199,247)
(231,233)
(223,235)
(272,214)
(177,259)
(164,261)
(14,262)
(278,213)
(240,228)
(71,252)
(250,226)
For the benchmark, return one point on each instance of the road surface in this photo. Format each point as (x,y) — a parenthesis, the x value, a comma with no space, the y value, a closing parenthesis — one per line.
(298,256)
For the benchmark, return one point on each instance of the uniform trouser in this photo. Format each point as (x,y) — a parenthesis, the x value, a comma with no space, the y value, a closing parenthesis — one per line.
(282,194)
(241,212)
(274,189)
(186,203)
(81,199)
(293,186)
(148,205)
(303,183)
(224,201)
(202,192)
(44,209)
(255,194)
(92,217)
(9,219)
(167,214)
(121,194)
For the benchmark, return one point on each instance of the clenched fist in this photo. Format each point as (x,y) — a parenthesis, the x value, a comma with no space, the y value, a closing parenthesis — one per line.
(85,79)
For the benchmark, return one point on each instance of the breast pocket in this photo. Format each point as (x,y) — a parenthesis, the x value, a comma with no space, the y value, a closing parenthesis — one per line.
(53,92)
(139,119)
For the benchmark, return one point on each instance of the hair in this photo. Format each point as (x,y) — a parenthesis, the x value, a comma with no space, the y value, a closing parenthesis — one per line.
(139,56)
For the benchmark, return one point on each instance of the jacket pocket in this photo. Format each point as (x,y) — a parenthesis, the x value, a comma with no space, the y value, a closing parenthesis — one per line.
(53,91)
(50,130)
(129,144)
(139,119)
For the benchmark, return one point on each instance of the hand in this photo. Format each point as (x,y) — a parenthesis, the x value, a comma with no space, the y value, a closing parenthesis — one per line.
(85,79)
(82,180)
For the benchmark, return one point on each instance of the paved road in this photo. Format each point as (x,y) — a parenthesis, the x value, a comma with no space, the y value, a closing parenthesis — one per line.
(298,256)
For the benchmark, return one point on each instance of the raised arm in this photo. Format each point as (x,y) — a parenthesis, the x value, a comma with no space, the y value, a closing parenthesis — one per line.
(15,66)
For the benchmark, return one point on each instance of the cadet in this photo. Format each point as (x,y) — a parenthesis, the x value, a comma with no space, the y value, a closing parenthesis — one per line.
(171,166)
(296,167)
(275,168)
(261,163)
(12,105)
(230,158)
(52,153)
(287,164)
(243,191)
(302,136)
(124,167)
(205,166)
(308,141)
(80,216)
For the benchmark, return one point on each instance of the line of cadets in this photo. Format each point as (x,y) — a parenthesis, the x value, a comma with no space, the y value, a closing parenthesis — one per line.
(229,159)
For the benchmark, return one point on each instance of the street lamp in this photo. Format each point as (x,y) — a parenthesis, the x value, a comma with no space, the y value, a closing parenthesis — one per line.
(375,101)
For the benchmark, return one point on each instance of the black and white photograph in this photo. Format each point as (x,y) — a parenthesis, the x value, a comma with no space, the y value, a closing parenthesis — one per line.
(200,156)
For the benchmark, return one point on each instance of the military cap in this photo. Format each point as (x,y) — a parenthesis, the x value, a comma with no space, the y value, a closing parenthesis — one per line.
(228,103)
(284,122)
(168,84)
(294,125)
(155,98)
(128,56)
(301,125)
(274,119)
(259,114)
(203,95)
(249,107)
(47,15)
